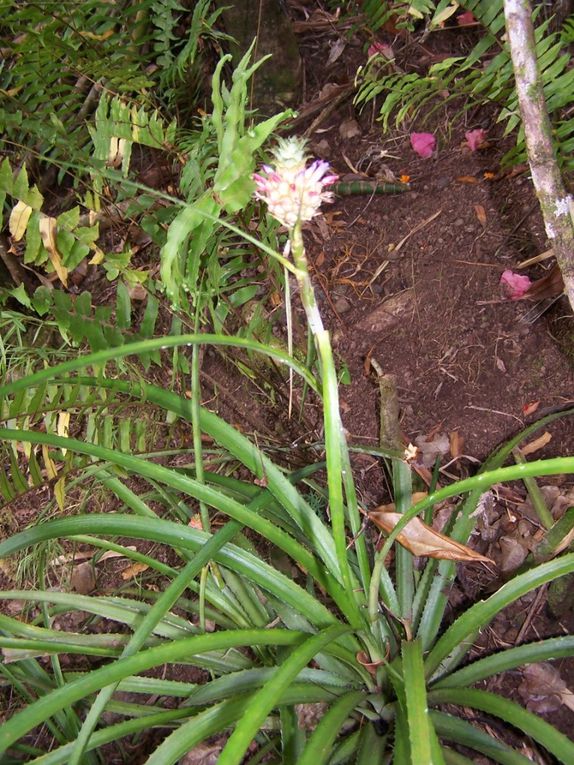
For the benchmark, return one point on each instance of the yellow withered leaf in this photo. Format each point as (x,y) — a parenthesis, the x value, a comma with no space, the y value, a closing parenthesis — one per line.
(423,540)
(133,570)
(536,444)
(48,228)
(19,218)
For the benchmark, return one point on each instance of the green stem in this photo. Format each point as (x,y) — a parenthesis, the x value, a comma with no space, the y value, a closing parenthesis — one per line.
(335,441)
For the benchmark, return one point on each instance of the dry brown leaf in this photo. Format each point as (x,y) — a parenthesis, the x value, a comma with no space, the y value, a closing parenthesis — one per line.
(536,444)
(51,469)
(18,221)
(480,214)
(203,754)
(423,540)
(133,570)
(543,689)
(530,408)
(80,555)
(513,554)
(48,228)
(432,446)
(371,666)
(456,443)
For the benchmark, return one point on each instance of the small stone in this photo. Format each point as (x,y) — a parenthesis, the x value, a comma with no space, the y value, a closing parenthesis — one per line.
(459,222)
(83,578)
(349,129)
(342,305)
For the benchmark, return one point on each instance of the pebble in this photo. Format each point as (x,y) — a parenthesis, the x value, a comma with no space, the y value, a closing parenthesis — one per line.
(342,305)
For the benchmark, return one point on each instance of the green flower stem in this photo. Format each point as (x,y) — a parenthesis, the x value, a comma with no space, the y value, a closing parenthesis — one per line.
(335,441)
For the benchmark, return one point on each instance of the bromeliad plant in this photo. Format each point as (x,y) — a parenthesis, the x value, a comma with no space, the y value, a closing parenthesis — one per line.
(339,627)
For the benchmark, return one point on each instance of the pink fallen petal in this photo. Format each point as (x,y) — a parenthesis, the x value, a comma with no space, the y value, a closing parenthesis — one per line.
(382,49)
(424,144)
(475,138)
(465,19)
(514,286)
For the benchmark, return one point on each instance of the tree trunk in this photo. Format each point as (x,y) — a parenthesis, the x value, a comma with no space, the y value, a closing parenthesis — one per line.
(556,204)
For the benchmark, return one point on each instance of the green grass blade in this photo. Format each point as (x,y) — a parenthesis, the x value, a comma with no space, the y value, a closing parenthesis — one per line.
(530,724)
(155,344)
(402,491)
(335,443)
(216,499)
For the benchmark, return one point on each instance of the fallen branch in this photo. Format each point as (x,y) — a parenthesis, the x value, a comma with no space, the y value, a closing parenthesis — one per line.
(555,203)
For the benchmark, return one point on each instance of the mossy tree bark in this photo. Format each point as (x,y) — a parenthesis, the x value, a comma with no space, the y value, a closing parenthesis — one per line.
(556,204)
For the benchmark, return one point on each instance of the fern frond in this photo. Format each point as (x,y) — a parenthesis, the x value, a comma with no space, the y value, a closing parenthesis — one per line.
(406,94)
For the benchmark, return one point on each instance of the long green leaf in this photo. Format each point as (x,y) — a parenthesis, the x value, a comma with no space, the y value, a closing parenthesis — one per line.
(319,747)
(61,698)
(544,650)
(421,732)
(148,346)
(530,724)
(192,487)
(180,537)
(462,732)
(479,615)
(270,695)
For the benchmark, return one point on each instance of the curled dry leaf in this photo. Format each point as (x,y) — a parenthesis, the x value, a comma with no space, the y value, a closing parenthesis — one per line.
(370,666)
(203,754)
(480,214)
(83,579)
(423,540)
(536,444)
(530,407)
(432,447)
(513,554)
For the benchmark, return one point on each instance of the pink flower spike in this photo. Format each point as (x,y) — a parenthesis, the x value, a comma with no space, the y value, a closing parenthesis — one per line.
(475,138)
(514,286)
(423,144)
